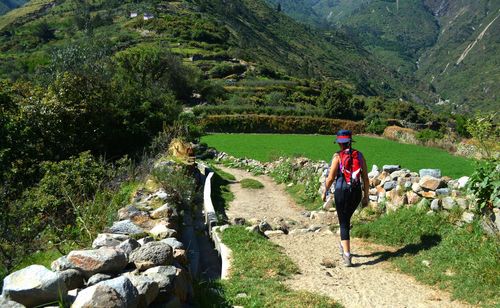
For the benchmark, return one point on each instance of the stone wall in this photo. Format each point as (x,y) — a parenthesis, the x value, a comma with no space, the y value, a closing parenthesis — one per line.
(137,262)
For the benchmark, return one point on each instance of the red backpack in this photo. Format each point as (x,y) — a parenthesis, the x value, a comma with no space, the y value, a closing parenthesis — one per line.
(351,162)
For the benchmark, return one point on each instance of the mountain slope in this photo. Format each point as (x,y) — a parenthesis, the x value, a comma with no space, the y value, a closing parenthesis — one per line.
(452,46)
(243,29)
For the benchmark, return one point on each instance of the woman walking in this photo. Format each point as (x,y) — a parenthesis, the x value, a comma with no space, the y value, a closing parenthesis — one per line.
(347,168)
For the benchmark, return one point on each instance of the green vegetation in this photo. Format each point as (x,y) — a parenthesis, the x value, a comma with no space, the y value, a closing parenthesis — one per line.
(462,260)
(221,194)
(377,151)
(258,270)
(251,184)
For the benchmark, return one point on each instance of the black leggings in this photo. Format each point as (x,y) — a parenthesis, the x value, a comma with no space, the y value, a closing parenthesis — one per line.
(346,202)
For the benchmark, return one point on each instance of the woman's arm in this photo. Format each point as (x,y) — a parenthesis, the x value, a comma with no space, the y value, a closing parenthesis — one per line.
(366,182)
(331,175)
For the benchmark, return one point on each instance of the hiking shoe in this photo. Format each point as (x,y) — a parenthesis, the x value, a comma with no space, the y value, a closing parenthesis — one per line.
(347,260)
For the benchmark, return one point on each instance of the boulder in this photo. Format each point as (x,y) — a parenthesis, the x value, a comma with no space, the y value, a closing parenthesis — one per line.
(151,255)
(274,232)
(164,211)
(443,192)
(99,296)
(462,182)
(180,256)
(448,203)
(467,217)
(265,226)
(428,194)
(125,288)
(127,212)
(146,287)
(164,276)
(161,231)
(182,285)
(390,185)
(424,205)
(108,240)
(374,173)
(239,221)
(462,203)
(416,187)
(412,197)
(430,183)
(161,194)
(61,264)
(95,279)
(102,260)
(407,185)
(128,246)
(374,182)
(145,240)
(6,303)
(435,205)
(173,242)
(33,286)
(125,227)
(73,279)
(391,168)
(436,173)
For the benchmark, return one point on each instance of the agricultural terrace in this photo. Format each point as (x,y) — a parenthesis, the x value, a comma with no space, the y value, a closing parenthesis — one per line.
(267,147)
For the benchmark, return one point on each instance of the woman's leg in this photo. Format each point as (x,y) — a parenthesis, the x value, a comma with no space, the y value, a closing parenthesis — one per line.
(348,203)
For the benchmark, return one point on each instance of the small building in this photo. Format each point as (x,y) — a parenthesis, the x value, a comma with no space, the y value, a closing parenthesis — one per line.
(148,16)
(133,15)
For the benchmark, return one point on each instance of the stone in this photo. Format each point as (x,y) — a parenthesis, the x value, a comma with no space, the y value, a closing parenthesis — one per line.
(146,287)
(173,242)
(162,231)
(443,192)
(373,174)
(126,212)
(328,262)
(254,229)
(456,193)
(183,285)
(125,227)
(95,279)
(468,217)
(102,260)
(407,185)
(318,215)
(435,205)
(446,179)
(412,197)
(462,203)
(374,182)
(265,226)
(99,296)
(161,194)
(426,263)
(73,279)
(448,203)
(108,240)
(388,186)
(373,198)
(164,211)
(391,168)
(428,194)
(240,221)
(151,255)
(430,183)
(125,288)
(145,240)
(180,256)
(6,303)
(33,286)
(128,246)
(462,182)
(416,187)
(436,173)
(496,218)
(164,276)
(61,264)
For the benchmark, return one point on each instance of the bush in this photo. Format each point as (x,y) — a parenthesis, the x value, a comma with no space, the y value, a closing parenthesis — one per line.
(484,183)
(281,124)
(376,126)
(428,135)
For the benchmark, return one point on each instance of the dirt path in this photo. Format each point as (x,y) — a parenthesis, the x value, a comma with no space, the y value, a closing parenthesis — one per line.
(372,282)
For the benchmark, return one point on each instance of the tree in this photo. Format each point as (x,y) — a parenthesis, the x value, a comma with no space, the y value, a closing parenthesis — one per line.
(278,8)
(335,101)
(44,32)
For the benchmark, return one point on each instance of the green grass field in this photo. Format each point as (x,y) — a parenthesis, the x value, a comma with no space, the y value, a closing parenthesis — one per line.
(377,151)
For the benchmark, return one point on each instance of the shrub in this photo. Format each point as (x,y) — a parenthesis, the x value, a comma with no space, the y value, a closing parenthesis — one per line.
(484,183)
(428,135)
(281,124)
(178,184)
(376,126)
(251,184)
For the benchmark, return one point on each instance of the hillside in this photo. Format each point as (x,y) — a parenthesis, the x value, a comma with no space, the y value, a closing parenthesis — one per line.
(246,30)
(432,51)
(7,5)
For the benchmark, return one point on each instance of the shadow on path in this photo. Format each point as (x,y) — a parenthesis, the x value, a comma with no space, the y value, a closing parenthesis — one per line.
(427,241)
